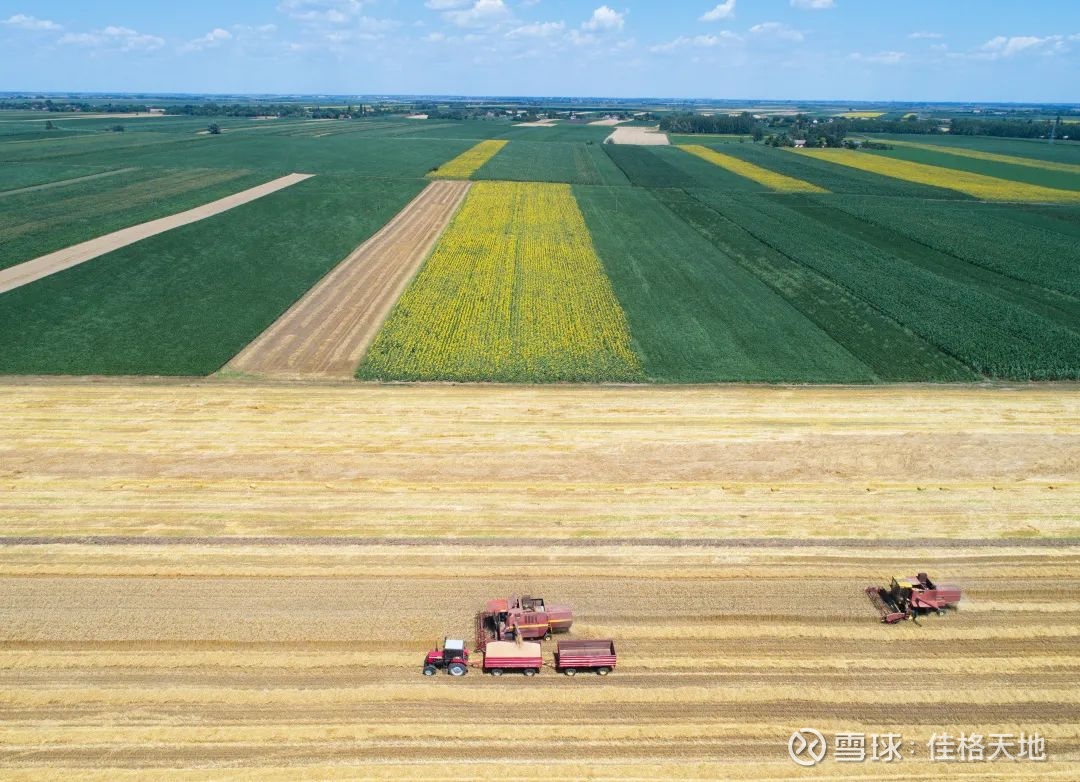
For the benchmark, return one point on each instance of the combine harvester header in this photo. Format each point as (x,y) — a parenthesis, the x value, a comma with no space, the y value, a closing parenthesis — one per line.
(908,596)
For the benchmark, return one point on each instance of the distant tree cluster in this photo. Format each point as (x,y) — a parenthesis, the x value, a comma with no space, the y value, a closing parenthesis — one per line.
(48,104)
(686,122)
(1013,128)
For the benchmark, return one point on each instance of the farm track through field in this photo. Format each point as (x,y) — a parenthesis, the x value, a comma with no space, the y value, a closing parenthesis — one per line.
(29,271)
(65,182)
(327,331)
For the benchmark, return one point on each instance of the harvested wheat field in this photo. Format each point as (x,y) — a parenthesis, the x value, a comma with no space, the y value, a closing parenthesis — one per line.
(241,580)
(327,331)
(637,135)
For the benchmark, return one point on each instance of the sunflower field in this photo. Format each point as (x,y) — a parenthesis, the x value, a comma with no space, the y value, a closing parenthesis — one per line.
(514,291)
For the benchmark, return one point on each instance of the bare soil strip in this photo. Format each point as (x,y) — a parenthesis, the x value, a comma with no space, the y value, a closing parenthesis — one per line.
(651,137)
(25,273)
(65,182)
(327,331)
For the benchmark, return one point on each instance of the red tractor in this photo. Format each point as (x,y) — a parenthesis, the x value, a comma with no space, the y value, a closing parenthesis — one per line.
(453,658)
(521,618)
(908,596)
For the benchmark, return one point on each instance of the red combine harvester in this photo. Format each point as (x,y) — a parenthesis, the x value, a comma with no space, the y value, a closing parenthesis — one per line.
(908,596)
(520,618)
(574,656)
(453,658)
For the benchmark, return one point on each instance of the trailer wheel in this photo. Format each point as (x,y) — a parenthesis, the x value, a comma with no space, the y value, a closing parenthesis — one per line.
(603,671)
(570,671)
(429,670)
(457,669)
(496,671)
(529,672)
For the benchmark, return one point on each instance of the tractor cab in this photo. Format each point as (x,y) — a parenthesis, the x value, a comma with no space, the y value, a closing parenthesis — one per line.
(453,657)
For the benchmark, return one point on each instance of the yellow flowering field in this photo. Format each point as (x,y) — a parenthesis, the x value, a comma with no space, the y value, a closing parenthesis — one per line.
(860,114)
(996,157)
(463,166)
(980,186)
(771,179)
(514,291)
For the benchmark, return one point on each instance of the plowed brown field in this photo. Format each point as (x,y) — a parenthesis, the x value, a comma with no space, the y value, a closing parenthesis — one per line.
(240,581)
(327,331)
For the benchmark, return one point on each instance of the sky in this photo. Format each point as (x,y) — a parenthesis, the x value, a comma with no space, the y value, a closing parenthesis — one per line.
(858,50)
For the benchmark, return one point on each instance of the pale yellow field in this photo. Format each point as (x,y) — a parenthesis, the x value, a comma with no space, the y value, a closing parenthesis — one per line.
(771,179)
(996,157)
(987,188)
(463,166)
(239,581)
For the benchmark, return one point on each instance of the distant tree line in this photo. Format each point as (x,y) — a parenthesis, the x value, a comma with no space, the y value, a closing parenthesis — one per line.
(686,122)
(73,106)
(1004,127)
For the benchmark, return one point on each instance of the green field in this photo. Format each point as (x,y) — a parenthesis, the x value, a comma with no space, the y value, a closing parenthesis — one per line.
(186,301)
(877,280)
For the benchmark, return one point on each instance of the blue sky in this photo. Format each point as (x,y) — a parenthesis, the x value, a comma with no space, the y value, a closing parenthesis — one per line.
(993,50)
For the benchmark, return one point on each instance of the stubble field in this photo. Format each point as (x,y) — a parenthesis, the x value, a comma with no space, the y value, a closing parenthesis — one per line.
(241,580)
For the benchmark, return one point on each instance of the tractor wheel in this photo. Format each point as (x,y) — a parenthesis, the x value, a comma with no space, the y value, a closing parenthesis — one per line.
(603,671)
(529,672)
(496,671)
(547,636)
(570,671)
(429,670)
(457,669)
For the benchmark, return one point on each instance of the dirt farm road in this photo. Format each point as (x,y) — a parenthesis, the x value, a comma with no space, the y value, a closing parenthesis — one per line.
(327,331)
(24,273)
(722,536)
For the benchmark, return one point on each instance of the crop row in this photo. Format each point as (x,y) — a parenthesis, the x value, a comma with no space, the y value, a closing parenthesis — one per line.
(995,336)
(514,291)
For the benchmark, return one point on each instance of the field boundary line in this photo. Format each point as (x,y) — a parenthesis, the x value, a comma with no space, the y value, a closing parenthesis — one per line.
(64,182)
(1062,544)
(45,265)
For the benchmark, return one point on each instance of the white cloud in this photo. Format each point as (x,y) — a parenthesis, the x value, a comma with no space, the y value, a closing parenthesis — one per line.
(112,38)
(24,22)
(925,35)
(722,11)
(605,18)
(813,5)
(481,14)
(695,42)
(445,5)
(776,30)
(881,58)
(321,11)
(211,40)
(1010,46)
(537,30)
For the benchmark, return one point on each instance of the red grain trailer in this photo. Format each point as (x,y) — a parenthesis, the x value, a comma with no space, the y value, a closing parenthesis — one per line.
(500,656)
(574,656)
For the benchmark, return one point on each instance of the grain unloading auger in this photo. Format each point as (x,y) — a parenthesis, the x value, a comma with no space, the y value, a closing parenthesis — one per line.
(908,596)
(525,618)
